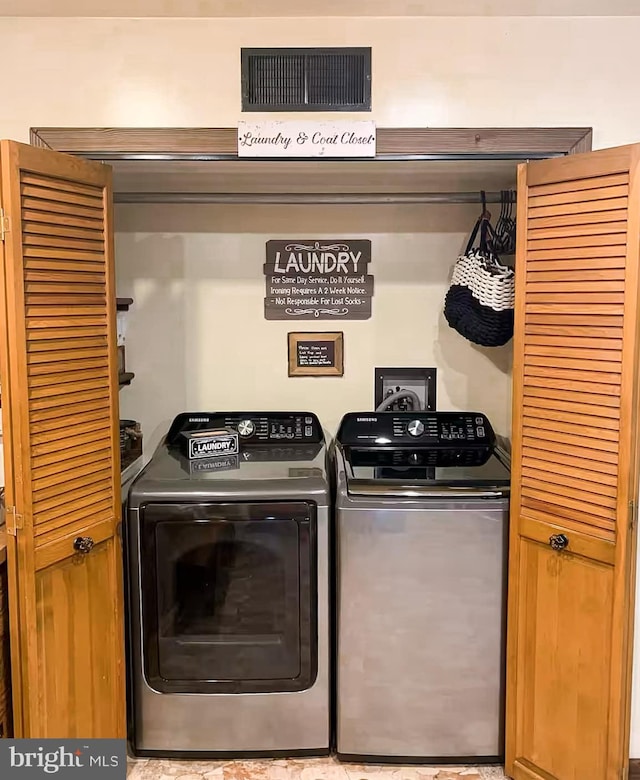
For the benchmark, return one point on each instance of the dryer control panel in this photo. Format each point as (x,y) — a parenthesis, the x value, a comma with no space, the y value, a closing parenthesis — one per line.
(429,430)
(266,428)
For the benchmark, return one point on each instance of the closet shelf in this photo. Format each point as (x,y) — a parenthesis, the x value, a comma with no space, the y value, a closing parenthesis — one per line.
(248,181)
(125,378)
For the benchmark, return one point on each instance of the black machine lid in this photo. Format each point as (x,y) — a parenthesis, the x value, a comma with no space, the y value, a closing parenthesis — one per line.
(408,452)
(275,447)
(489,471)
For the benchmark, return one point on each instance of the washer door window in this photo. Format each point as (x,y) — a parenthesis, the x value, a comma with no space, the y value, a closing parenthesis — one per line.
(229,597)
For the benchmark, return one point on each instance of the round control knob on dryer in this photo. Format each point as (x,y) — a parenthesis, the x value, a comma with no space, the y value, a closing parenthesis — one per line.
(246,428)
(415,428)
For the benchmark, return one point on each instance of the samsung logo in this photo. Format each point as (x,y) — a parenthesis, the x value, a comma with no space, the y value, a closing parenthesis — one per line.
(366,419)
(199,419)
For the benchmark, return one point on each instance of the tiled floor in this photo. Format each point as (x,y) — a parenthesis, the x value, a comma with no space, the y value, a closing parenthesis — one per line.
(299,769)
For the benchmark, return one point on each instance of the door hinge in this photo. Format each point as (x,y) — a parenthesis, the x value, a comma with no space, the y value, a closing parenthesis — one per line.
(5,225)
(15,521)
(624,773)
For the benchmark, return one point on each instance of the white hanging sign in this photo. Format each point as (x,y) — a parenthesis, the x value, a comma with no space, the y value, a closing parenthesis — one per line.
(307,139)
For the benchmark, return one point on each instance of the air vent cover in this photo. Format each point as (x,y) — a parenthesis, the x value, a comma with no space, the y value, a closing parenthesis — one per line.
(306,79)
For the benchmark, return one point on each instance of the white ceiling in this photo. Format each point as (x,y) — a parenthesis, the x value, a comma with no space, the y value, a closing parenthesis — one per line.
(317,8)
(313,176)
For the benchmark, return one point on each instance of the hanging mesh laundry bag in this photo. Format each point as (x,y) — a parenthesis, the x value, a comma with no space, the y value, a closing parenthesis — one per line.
(480,300)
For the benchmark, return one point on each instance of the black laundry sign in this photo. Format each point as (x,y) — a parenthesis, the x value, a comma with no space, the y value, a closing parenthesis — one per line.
(318,280)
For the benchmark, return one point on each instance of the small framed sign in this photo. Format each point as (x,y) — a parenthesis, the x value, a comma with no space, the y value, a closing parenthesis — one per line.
(316,354)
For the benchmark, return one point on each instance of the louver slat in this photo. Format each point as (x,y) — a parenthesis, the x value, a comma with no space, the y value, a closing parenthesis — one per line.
(573,352)
(64,280)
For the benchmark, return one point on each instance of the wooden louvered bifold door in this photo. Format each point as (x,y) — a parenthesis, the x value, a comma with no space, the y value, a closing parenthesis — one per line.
(574,467)
(59,380)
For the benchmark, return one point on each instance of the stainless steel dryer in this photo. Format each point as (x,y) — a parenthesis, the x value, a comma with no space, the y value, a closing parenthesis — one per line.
(421,532)
(228,583)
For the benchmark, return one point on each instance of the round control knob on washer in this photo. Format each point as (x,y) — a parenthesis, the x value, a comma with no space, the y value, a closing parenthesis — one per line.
(415,428)
(246,428)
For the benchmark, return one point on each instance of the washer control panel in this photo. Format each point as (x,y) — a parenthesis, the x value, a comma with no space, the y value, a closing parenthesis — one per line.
(254,427)
(416,429)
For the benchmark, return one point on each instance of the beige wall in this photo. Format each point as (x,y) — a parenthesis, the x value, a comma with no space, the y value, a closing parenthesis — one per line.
(197,337)
(429,71)
(280,8)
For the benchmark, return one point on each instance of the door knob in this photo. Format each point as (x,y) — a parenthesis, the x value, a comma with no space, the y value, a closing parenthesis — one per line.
(83,544)
(558,541)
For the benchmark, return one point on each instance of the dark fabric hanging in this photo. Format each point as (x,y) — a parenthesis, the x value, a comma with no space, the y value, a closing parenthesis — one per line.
(480,301)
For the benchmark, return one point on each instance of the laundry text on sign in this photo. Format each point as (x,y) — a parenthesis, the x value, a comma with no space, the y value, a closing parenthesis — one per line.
(320,262)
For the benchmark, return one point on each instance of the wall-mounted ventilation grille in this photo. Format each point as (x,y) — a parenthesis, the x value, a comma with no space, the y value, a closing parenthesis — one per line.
(306,79)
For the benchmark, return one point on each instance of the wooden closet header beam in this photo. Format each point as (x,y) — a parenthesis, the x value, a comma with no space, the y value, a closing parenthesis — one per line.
(392,143)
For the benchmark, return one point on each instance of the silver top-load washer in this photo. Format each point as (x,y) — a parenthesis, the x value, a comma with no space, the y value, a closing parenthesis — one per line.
(228,591)
(421,533)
